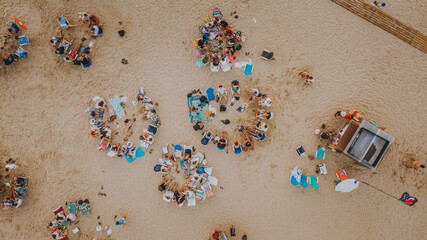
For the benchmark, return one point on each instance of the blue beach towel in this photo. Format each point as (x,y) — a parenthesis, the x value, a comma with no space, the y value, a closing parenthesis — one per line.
(115,103)
(211,94)
(248,69)
(139,153)
(195,102)
(238,150)
(304,183)
(294,181)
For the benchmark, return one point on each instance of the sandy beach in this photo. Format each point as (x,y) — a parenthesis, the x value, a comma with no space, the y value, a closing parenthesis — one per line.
(355,64)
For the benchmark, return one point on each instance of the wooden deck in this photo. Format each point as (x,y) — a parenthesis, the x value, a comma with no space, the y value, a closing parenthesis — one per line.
(386,22)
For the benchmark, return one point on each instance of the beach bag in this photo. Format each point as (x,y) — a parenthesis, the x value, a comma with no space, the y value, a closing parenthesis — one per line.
(408,199)
(238,47)
(222,108)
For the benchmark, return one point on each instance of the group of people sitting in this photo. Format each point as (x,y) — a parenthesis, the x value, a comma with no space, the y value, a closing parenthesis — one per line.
(217,234)
(78,55)
(218,44)
(13,190)
(58,226)
(11,49)
(198,177)
(115,109)
(256,130)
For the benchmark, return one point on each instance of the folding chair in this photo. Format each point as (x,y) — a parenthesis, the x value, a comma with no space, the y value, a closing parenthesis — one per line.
(23,40)
(267,55)
(301,151)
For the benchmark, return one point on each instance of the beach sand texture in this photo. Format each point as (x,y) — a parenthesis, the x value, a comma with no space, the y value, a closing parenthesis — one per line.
(354,63)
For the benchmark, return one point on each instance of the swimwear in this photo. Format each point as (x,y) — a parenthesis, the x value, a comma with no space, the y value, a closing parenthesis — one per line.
(120,222)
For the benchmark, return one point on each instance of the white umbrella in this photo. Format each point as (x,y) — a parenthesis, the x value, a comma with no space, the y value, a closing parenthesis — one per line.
(347,185)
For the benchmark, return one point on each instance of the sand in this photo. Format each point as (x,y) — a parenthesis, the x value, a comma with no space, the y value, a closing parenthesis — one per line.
(355,65)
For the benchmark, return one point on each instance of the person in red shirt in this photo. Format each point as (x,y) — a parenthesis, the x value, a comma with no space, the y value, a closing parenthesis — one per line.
(215,235)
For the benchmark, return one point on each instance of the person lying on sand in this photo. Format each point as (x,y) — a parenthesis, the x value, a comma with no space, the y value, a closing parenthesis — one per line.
(132,152)
(96,31)
(9,59)
(72,55)
(222,94)
(165,183)
(263,114)
(120,221)
(57,38)
(307,77)
(63,46)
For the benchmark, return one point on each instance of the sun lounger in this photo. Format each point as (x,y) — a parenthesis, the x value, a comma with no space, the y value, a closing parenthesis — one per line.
(72,208)
(21,53)
(23,40)
(267,55)
(248,69)
(211,94)
(215,68)
(217,13)
(207,137)
(63,22)
(342,175)
(314,182)
(115,103)
(303,182)
(178,151)
(301,151)
(139,153)
(88,65)
(320,154)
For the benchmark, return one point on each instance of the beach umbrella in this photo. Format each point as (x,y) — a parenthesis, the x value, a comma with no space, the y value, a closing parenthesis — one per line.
(347,185)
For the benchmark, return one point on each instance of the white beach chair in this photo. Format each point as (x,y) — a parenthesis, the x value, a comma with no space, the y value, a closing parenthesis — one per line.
(226,65)
(215,68)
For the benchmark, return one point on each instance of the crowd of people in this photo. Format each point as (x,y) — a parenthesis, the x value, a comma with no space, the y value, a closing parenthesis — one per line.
(78,55)
(219,234)
(13,187)
(218,44)
(102,125)
(254,130)
(198,177)
(59,225)
(11,49)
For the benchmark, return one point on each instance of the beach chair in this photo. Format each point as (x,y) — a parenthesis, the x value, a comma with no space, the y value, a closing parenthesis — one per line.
(63,22)
(342,175)
(215,68)
(207,137)
(15,27)
(211,94)
(304,182)
(178,151)
(23,40)
(320,154)
(21,53)
(267,55)
(314,182)
(21,181)
(72,208)
(301,151)
(88,65)
(217,13)
(248,69)
(84,208)
(152,129)
(188,149)
(200,63)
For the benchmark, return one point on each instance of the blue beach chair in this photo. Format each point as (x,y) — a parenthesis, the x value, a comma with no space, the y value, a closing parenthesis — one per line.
(23,40)
(88,65)
(301,151)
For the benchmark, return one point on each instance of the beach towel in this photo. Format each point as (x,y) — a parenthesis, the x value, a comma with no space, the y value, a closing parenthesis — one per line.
(200,194)
(63,22)
(213,180)
(58,210)
(84,209)
(303,182)
(211,94)
(217,13)
(178,151)
(238,150)
(320,154)
(115,103)
(314,182)
(72,208)
(139,153)
(242,64)
(248,69)
(202,106)
(295,177)
(191,198)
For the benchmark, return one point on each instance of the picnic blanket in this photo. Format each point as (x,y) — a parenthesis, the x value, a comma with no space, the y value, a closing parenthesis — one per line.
(139,153)
(115,103)
(195,102)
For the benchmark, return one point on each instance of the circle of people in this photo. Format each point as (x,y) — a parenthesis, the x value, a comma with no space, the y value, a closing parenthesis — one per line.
(79,55)
(11,50)
(13,188)
(198,176)
(116,110)
(248,133)
(59,226)
(218,44)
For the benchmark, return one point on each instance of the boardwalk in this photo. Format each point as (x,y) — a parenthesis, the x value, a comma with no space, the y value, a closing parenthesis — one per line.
(386,22)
